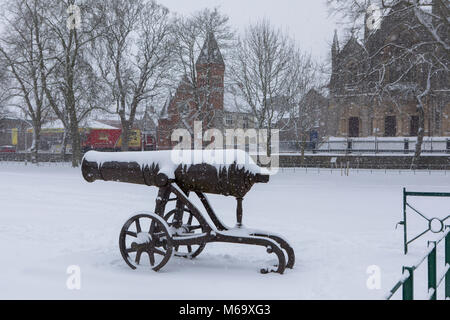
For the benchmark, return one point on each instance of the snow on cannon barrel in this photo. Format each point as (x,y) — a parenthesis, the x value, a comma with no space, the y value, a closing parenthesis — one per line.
(222,172)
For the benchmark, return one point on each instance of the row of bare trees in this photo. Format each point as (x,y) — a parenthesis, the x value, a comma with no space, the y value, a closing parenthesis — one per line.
(134,57)
(48,64)
(71,58)
(67,58)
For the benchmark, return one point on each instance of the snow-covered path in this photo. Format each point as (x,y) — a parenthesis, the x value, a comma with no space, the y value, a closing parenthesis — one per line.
(50,218)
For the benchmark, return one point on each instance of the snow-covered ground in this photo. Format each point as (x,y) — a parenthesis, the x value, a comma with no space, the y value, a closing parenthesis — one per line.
(50,219)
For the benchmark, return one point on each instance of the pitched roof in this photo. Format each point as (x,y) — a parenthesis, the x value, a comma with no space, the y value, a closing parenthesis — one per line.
(210,53)
(313,96)
(352,47)
(336,41)
(164,114)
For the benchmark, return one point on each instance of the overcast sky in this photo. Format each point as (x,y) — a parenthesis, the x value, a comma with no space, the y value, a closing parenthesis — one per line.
(306,20)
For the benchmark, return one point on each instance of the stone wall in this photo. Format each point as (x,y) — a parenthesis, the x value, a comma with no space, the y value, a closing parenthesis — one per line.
(311,161)
(365,162)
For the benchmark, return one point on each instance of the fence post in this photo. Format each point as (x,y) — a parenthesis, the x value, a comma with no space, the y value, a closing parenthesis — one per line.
(432,278)
(405,236)
(408,286)
(447,262)
(376,144)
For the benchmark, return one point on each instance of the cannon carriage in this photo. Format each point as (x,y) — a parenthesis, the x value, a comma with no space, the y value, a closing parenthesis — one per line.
(185,230)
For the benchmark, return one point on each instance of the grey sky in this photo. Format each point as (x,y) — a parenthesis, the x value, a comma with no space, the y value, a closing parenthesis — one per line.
(306,20)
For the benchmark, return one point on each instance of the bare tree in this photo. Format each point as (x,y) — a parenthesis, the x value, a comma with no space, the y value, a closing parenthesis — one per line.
(269,68)
(133,56)
(5,85)
(68,77)
(20,51)
(414,63)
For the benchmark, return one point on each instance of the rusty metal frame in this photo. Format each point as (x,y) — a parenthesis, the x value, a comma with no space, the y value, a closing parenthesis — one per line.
(218,231)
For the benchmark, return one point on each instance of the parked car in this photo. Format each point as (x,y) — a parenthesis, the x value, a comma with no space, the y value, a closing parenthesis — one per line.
(7,149)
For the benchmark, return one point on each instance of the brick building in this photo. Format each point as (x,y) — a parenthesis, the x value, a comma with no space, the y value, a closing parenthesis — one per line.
(201,101)
(357,110)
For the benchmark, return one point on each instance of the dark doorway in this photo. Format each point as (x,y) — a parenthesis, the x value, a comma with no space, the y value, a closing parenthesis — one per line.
(414,126)
(353,127)
(390,126)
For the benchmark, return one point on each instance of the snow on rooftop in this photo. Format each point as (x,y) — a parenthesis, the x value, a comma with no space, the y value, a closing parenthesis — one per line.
(210,52)
(234,103)
(91,124)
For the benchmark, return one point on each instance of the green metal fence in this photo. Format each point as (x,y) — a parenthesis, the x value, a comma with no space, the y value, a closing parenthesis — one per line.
(434,280)
(435,225)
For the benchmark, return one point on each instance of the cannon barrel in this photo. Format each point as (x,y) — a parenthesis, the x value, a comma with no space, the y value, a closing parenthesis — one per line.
(223,172)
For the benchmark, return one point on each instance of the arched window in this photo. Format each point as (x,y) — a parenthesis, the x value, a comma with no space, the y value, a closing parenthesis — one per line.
(353,127)
(414,126)
(390,126)
(352,72)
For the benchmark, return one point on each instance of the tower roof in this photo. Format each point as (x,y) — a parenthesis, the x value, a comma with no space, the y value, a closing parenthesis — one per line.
(210,53)
(164,114)
(335,45)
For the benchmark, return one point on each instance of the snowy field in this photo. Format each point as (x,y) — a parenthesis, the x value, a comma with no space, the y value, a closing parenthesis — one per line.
(50,218)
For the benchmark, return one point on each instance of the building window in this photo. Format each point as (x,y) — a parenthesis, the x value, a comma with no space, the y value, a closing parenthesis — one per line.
(414,126)
(352,73)
(246,123)
(353,127)
(229,120)
(390,126)
(437,122)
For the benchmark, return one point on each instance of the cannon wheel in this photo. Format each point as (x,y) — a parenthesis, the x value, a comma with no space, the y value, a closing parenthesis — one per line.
(191,223)
(147,234)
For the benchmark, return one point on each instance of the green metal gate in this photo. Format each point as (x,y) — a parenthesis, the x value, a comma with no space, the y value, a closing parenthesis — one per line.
(435,225)
(434,280)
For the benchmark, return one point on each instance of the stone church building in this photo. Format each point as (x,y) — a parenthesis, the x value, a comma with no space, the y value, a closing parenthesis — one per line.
(356,107)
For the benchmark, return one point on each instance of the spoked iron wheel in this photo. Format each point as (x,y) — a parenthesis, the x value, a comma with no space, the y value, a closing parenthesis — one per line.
(145,242)
(190,225)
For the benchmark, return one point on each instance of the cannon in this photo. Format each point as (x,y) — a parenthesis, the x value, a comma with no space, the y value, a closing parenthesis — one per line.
(184,231)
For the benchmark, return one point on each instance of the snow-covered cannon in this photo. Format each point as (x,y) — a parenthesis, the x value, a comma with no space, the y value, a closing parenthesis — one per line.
(184,231)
